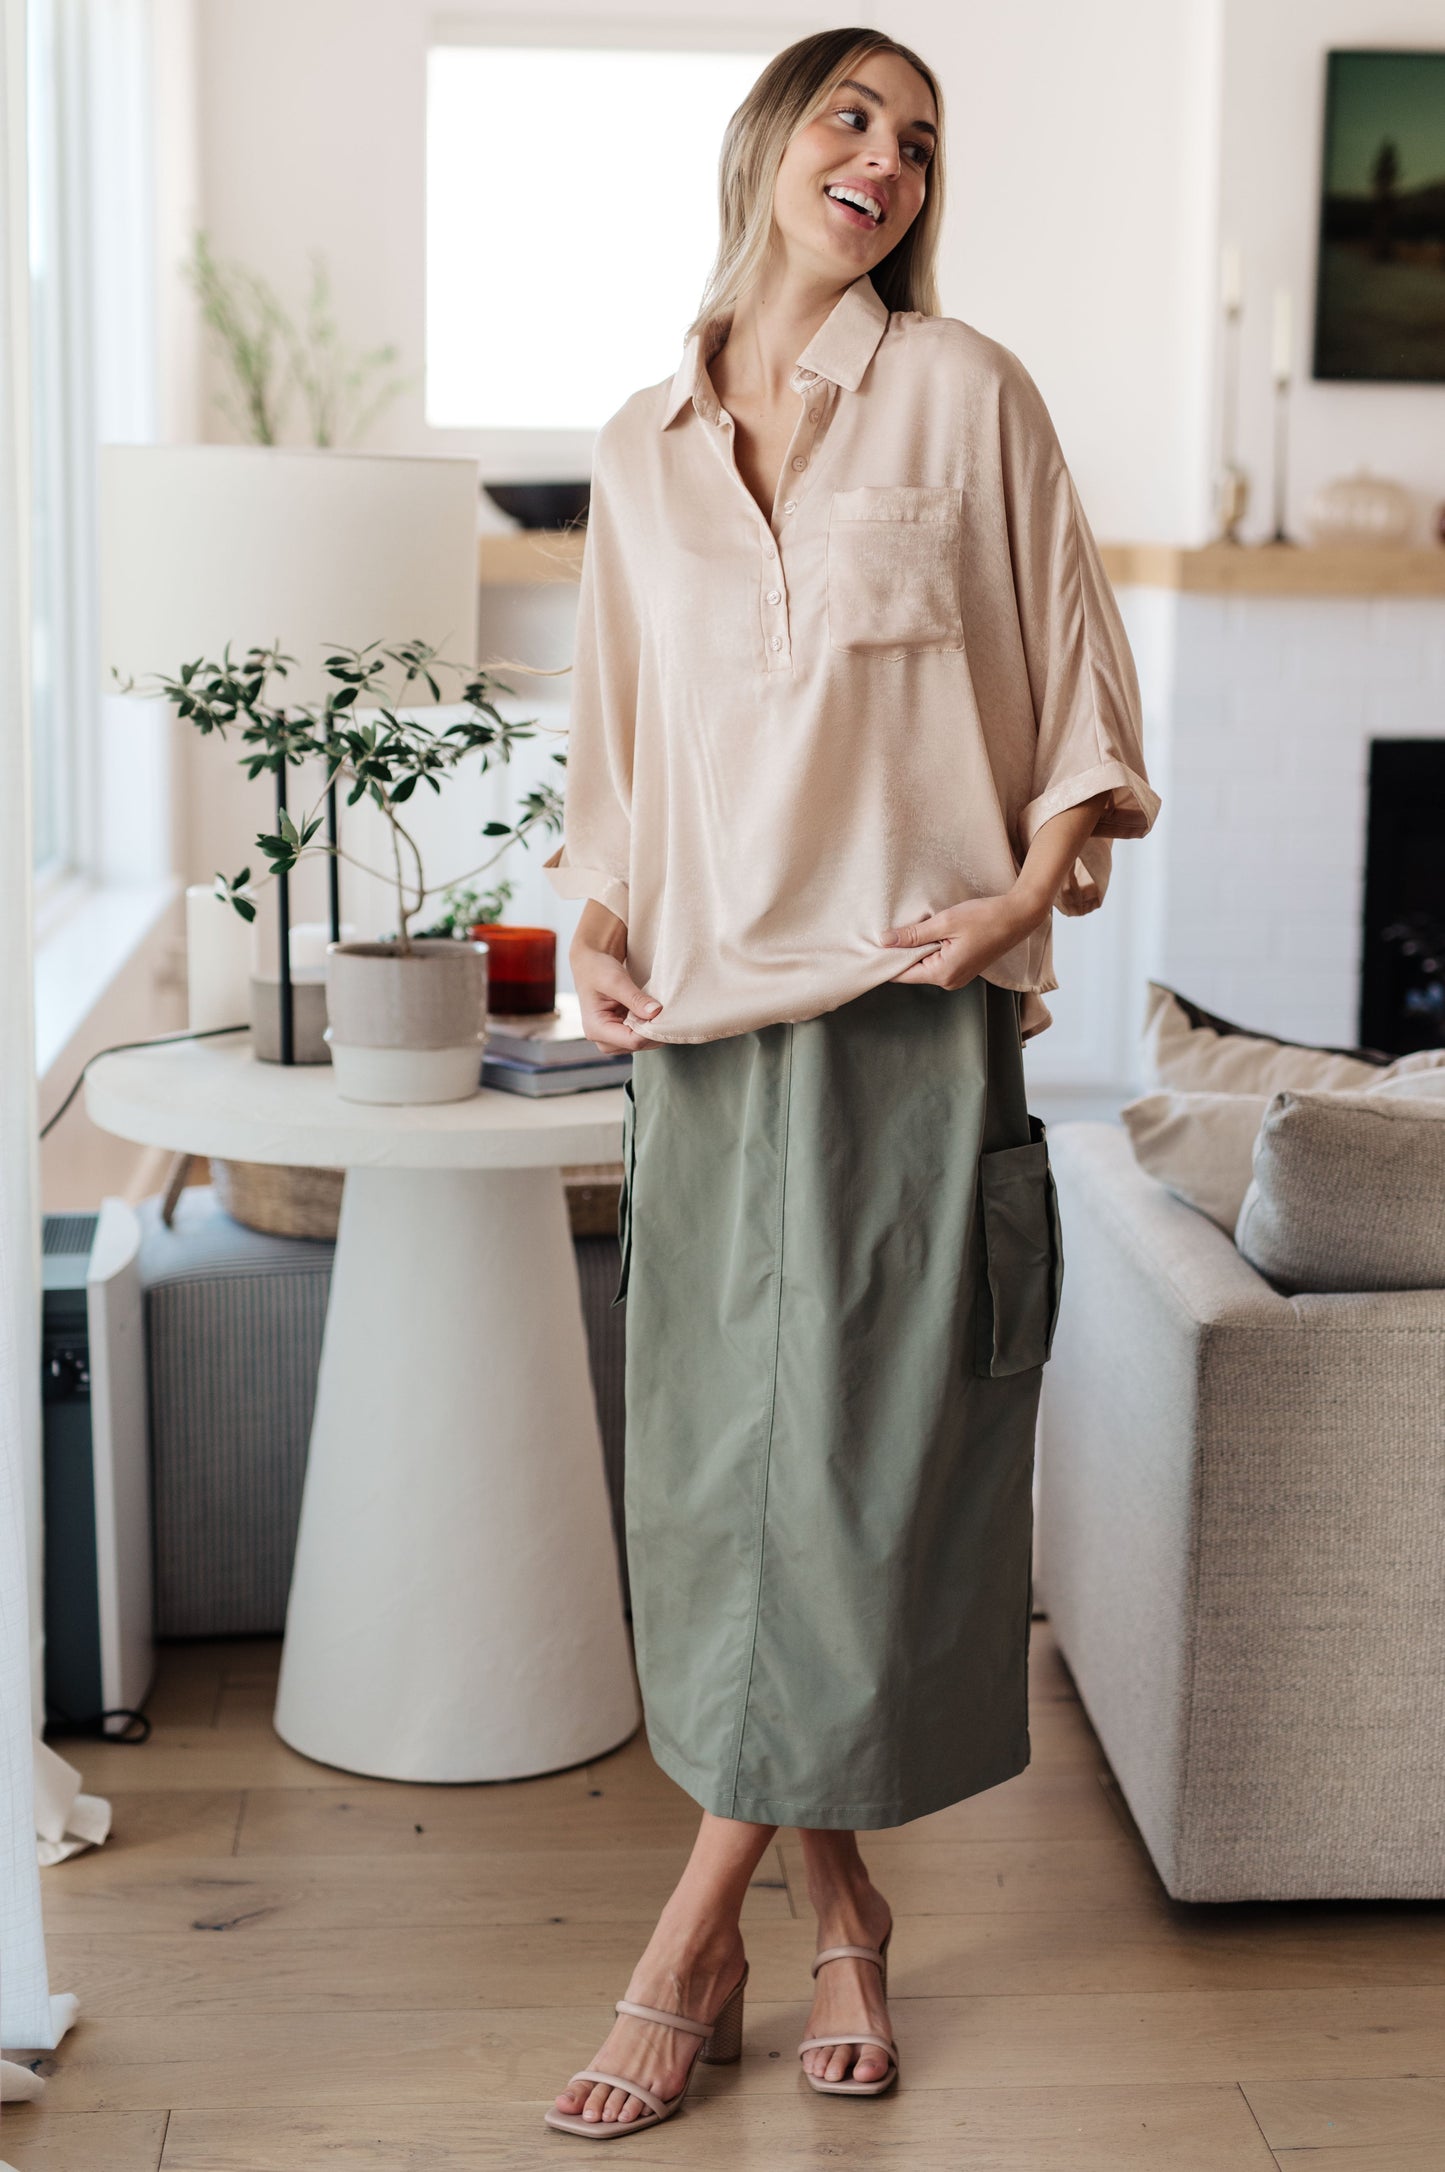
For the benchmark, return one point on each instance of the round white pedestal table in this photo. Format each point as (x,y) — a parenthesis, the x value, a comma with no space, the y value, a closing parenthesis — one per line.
(455,1609)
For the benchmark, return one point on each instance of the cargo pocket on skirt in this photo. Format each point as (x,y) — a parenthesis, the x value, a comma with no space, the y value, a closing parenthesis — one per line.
(624,1197)
(1018,1298)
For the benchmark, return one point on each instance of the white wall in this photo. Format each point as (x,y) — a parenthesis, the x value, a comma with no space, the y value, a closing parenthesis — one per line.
(1271,143)
(1073,232)
(1098,155)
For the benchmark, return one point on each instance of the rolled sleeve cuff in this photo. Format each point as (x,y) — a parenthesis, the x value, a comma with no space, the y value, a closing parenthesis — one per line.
(585,882)
(1127,820)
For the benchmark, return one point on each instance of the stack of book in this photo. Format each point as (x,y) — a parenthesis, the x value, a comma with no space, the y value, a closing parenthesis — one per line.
(549,1054)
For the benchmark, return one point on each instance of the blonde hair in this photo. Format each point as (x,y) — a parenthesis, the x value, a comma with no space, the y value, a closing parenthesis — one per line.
(789,93)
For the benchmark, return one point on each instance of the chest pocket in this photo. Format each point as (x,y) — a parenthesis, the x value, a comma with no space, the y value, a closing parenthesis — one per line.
(893,568)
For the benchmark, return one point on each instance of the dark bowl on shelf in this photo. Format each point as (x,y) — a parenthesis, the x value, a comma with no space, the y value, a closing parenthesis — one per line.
(542,505)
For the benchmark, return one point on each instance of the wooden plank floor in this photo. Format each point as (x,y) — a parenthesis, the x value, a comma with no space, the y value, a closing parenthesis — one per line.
(281,1969)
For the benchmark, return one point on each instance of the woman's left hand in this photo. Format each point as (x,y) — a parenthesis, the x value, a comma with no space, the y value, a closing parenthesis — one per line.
(969,937)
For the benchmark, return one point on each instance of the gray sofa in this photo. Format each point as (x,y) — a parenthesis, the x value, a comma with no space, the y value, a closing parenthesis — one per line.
(1241,1547)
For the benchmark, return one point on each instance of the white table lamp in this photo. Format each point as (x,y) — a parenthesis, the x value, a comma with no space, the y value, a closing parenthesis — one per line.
(309,548)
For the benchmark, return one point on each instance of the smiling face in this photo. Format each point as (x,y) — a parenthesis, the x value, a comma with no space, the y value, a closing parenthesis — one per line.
(852,181)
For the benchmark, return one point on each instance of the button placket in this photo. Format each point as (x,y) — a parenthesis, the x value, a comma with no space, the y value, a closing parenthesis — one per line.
(773,597)
(773,608)
(797,461)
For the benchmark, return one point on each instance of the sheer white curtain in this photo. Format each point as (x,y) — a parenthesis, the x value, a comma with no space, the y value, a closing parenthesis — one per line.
(43,1815)
(25,2011)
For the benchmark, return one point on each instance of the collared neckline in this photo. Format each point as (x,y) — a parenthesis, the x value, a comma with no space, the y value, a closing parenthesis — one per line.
(840,350)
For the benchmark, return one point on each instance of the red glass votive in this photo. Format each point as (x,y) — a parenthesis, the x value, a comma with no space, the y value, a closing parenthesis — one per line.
(521,968)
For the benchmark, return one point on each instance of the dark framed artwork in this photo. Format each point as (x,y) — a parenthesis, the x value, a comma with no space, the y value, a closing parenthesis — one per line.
(1380,283)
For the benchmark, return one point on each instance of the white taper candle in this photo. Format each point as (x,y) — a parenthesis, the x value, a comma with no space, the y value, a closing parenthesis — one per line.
(1231,277)
(218,962)
(1283,336)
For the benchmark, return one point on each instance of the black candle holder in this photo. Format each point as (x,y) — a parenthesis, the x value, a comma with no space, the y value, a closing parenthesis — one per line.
(1281,459)
(287,995)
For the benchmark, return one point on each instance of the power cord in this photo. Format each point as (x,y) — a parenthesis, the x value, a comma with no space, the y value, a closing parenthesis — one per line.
(60,1724)
(121,1048)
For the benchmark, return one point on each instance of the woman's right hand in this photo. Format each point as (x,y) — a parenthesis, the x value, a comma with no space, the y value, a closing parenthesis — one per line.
(606,991)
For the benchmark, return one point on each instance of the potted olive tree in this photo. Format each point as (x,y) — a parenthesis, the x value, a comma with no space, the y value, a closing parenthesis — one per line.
(407,1016)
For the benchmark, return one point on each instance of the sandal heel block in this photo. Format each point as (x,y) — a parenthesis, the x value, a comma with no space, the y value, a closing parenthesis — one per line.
(725,2045)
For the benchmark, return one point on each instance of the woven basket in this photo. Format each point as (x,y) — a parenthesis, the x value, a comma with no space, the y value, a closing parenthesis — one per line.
(593,1192)
(280,1202)
(285,1202)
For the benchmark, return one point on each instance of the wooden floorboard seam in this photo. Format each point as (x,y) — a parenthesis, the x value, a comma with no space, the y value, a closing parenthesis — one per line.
(1034,2042)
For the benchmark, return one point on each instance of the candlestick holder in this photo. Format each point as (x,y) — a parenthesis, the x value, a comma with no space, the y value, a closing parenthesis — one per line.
(1281,459)
(1231,483)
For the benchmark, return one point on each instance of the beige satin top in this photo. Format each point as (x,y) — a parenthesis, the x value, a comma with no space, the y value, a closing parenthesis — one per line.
(791,733)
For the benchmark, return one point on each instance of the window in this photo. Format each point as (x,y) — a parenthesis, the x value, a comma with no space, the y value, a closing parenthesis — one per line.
(92,368)
(571,223)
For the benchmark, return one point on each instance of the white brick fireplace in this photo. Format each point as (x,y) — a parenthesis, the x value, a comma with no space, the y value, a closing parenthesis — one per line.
(1259,712)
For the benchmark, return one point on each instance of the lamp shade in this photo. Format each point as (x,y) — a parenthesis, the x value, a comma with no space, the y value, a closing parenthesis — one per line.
(254,544)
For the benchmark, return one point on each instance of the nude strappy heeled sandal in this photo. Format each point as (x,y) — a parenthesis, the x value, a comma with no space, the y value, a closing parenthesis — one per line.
(720,2042)
(879,1956)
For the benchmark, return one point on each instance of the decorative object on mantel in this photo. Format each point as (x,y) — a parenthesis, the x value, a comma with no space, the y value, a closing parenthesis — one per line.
(1282,368)
(407,1019)
(1231,489)
(542,505)
(1361,510)
(1378,317)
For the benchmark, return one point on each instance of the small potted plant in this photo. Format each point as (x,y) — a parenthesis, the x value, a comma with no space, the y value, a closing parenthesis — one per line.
(407,1016)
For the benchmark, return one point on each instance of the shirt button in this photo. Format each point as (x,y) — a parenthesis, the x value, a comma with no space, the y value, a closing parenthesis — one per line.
(800,462)
(814,413)
(777,641)
(775,595)
(790,505)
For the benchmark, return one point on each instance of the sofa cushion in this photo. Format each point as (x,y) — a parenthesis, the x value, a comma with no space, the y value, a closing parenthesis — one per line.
(1186,1046)
(1200,1146)
(1348,1193)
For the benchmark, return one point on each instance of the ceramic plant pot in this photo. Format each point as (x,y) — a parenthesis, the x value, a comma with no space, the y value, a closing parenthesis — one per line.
(407,1026)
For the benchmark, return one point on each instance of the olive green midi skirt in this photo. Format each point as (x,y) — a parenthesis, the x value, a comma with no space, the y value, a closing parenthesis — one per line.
(842,1266)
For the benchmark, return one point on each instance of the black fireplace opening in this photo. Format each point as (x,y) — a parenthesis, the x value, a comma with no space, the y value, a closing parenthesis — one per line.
(1402,972)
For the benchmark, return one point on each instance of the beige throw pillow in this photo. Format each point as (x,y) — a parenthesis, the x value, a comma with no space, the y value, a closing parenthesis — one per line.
(1189,1048)
(1348,1193)
(1199,1146)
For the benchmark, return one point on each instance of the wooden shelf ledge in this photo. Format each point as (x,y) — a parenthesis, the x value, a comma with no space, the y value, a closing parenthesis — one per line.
(1276,569)
(528,556)
(536,556)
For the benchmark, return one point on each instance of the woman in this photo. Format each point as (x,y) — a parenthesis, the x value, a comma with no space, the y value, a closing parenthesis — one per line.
(853,710)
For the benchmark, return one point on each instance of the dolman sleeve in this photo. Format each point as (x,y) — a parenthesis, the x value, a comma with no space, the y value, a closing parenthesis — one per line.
(1081,672)
(593,859)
